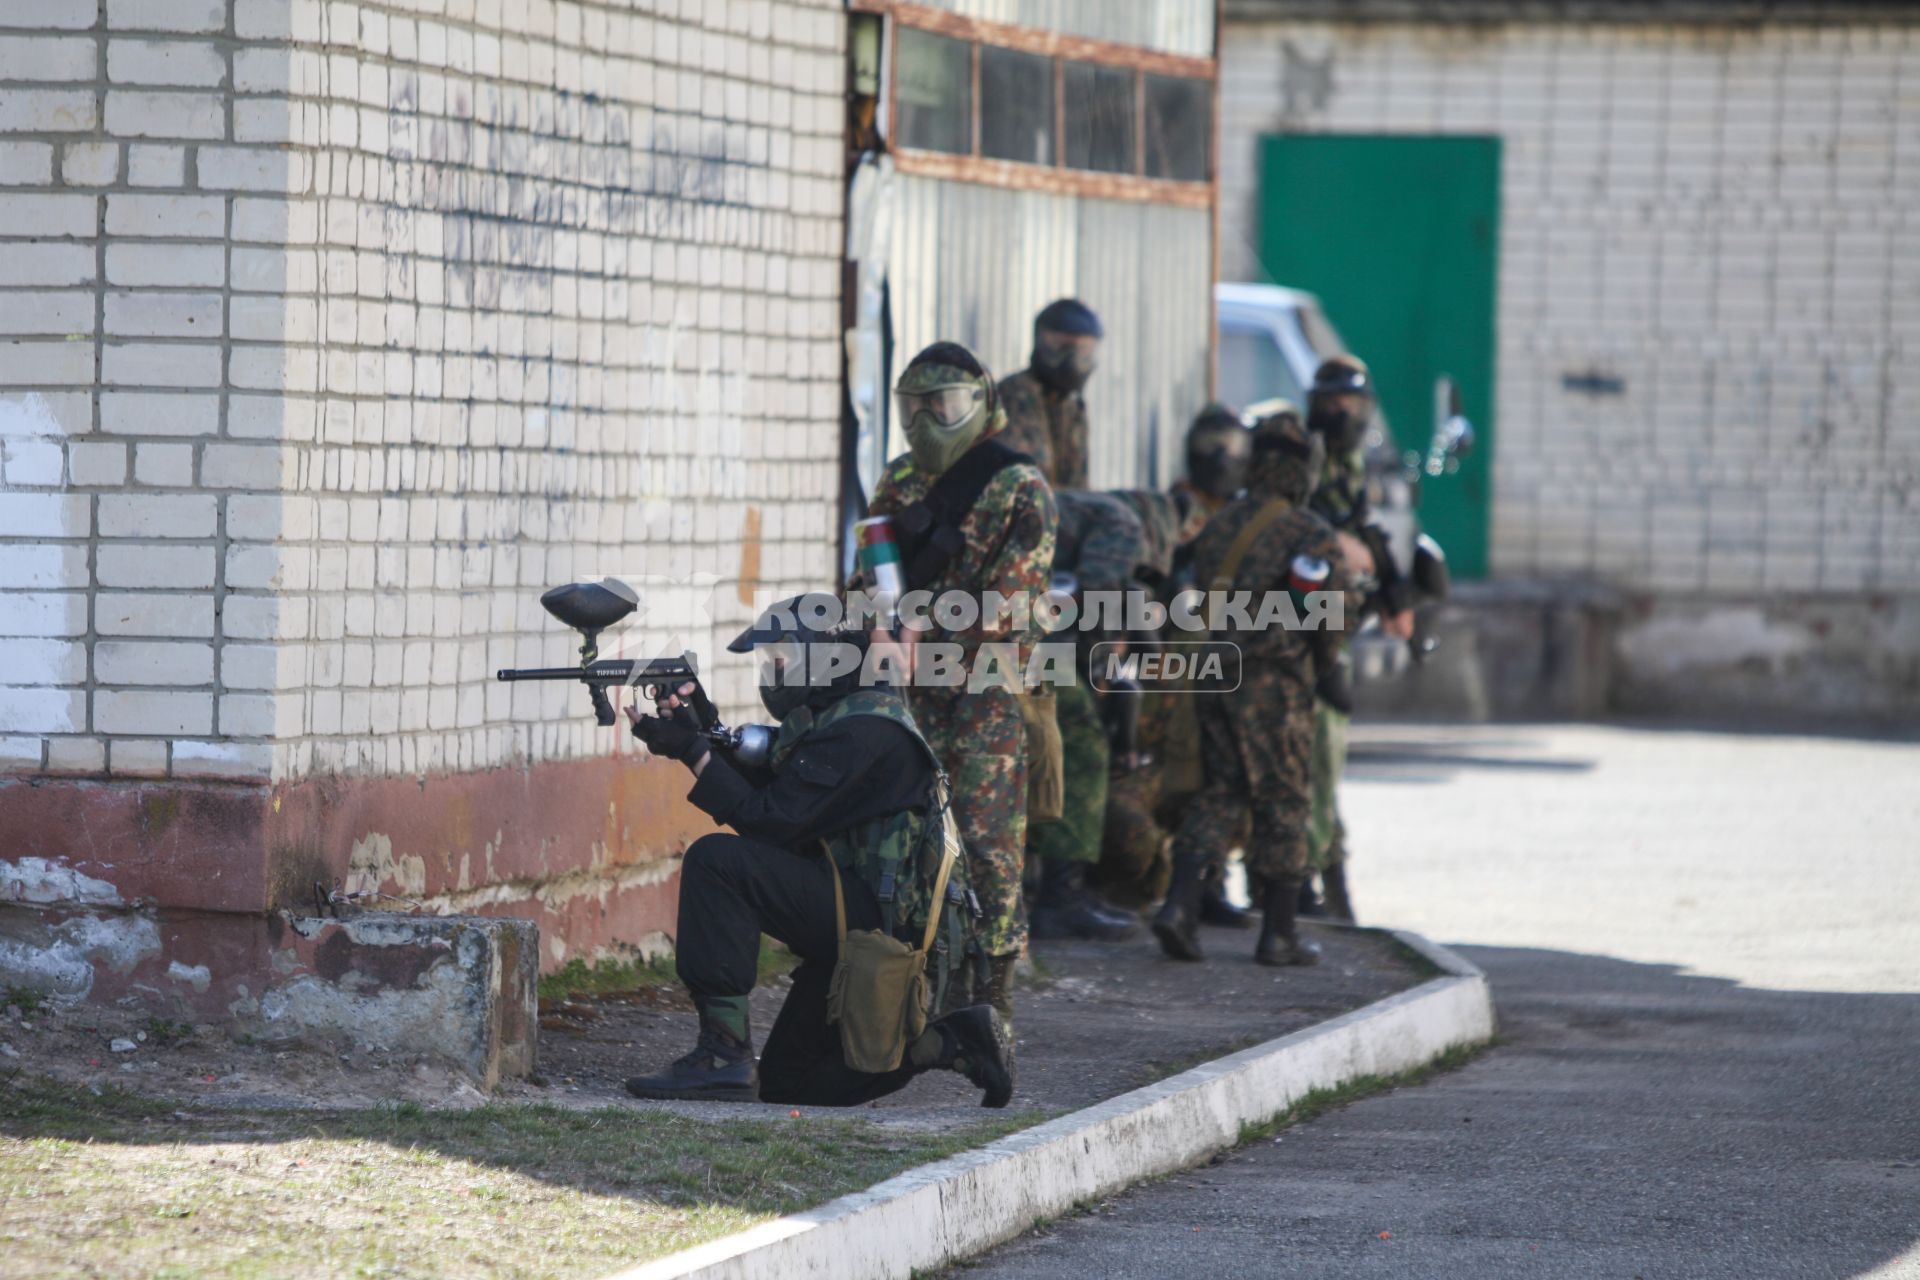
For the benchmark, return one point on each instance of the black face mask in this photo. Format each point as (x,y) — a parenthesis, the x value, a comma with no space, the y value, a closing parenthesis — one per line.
(1060,369)
(1340,429)
(782,698)
(1218,472)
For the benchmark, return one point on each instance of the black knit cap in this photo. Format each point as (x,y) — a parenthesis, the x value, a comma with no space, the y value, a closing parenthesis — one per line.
(950,353)
(1069,315)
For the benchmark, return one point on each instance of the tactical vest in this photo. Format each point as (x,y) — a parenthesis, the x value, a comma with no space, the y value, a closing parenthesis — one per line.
(898,854)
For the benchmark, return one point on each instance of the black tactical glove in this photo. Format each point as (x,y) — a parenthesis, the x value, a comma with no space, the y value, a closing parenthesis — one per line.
(670,738)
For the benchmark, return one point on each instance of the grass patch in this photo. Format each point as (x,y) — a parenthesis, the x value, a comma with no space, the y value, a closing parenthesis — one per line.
(1317,1102)
(164,1031)
(30,1001)
(112,1183)
(631,971)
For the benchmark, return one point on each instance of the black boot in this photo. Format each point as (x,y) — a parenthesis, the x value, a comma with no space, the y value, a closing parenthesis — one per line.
(978,1043)
(1066,908)
(1177,923)
(1216,910)
(1339,905)
(721,1068)
(1280,941)
(1308,903)
(998,988)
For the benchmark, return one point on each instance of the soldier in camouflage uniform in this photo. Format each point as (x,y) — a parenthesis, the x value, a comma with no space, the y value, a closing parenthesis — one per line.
(1218,448)
(1147,789)
(1257,741)
(850,778)
(1340,406)
(1099,545)
(947,401)
(1147,802)
(1046,415)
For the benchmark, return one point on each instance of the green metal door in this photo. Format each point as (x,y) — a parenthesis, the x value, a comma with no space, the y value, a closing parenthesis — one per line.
(1400,238)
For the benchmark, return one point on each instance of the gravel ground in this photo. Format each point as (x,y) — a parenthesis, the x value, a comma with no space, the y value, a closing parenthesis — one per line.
(1099,1019)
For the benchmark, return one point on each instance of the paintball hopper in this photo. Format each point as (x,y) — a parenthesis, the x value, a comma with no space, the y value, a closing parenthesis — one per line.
(591,606)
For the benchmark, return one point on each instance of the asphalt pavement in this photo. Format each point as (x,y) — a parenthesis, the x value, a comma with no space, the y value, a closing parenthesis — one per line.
(1705,953)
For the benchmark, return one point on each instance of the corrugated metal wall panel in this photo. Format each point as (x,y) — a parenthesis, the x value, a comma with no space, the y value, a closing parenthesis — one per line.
(1170,26)
(974,263)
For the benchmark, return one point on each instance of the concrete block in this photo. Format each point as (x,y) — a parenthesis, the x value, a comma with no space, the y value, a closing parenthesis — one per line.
(458,988)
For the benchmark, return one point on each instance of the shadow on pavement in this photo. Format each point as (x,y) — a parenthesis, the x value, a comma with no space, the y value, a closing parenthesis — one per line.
(1440,758)
(1633,1120)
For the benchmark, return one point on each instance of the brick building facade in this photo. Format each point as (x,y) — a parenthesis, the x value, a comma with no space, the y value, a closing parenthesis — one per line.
(333,334)
(1705,209)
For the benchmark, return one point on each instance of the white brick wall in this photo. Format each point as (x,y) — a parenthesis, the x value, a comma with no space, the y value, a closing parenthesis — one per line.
(331,334)
(1723,218)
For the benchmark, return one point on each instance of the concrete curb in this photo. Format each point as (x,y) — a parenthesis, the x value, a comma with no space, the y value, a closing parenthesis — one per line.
(942,1212)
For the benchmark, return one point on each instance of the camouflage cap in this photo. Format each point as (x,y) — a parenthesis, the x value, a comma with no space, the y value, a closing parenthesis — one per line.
(1287,458)
(944,364)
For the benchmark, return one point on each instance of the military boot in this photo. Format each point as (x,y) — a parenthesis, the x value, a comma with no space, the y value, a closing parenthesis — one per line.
(998,988)
(978,1043)
(1066,908)
(1217,910)
(1177,923)
(721,1067)
(1280,941)
(1339,905)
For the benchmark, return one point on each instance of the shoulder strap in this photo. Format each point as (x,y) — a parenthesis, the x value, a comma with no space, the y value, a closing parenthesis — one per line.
(932,525)
(950,851)
(949,854)
(1243,541)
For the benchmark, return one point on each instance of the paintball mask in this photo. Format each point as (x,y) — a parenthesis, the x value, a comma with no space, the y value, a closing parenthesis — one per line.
(803,655)
(1217,450)
(1340,403)
(945,399)
(1066,341)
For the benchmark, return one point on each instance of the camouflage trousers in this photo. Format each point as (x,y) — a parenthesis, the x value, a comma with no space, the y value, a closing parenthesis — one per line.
(1326,834)
(1083,742)
(1256,747)
(981,739)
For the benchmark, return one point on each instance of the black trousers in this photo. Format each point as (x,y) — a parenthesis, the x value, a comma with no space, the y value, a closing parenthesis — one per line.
(732,890)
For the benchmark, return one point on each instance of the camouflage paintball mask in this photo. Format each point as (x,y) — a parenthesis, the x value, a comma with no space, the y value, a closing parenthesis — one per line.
(946,402)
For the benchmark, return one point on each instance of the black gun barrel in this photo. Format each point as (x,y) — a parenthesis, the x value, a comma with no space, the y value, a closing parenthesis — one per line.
(540,673)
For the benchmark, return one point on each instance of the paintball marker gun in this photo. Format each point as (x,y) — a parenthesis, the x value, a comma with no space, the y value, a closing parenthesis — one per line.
(592,607)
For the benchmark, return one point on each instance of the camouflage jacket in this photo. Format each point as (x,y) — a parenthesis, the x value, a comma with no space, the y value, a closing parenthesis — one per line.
(1160,524)
(1341,500)
(1100,540)
(1048,426)
(897,854)
(1009,549)
(1265,568)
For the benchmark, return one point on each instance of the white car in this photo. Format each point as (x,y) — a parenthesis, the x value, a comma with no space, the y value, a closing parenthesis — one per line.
(1271,341)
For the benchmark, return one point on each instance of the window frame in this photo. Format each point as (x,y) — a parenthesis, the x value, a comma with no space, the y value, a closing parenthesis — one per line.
(1060,49)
